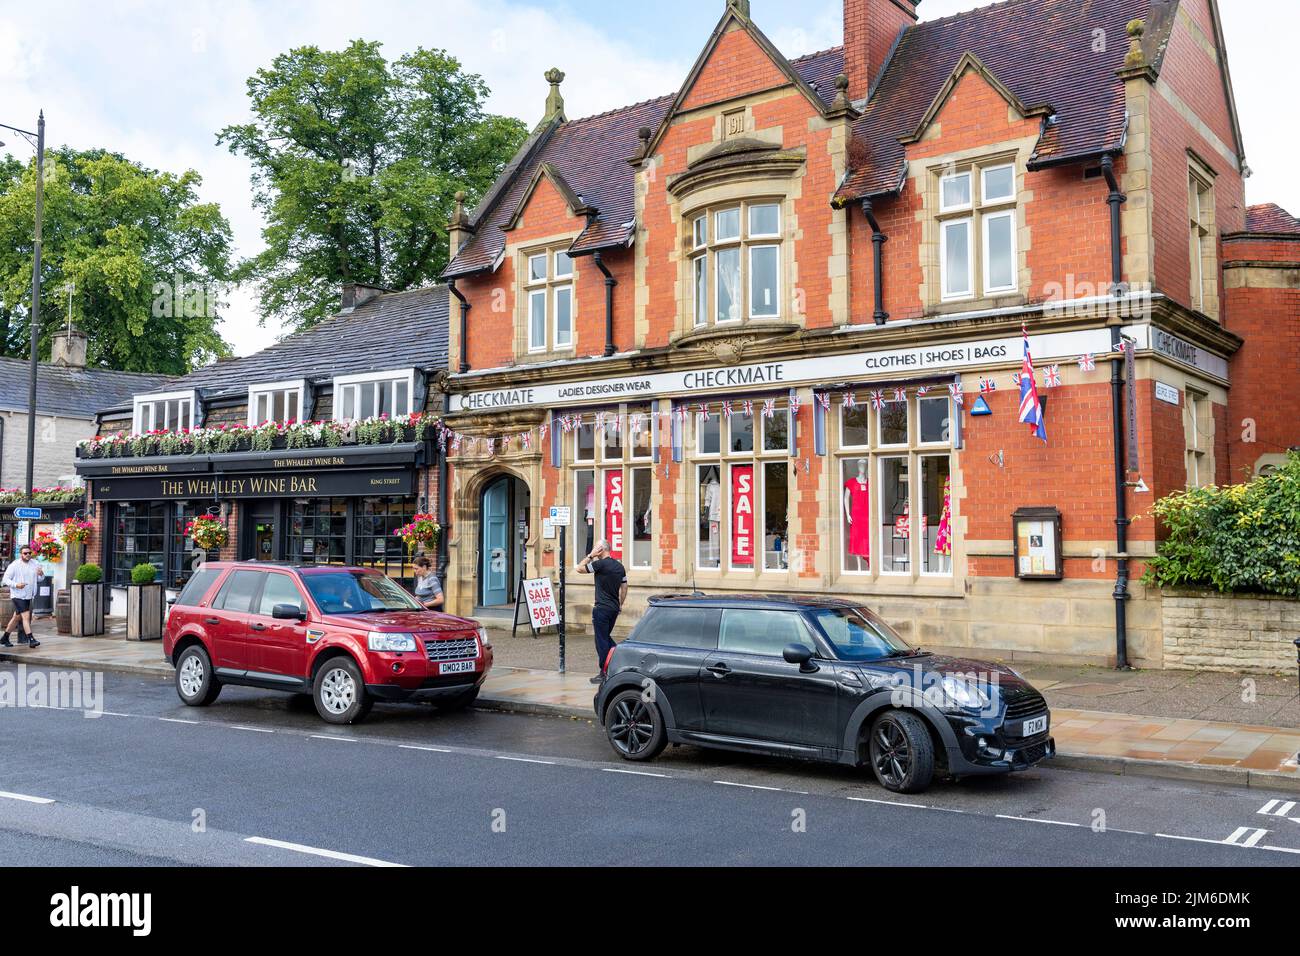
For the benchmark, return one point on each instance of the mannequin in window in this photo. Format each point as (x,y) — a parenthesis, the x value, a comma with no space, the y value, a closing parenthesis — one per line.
(712,505)
(589,508)
(857,515)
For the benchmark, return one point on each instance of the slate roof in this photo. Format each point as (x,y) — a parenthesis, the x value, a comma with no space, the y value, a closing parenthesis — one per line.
(1271,218)
(1041,50)
(70,392)
(591,156)
(393,330)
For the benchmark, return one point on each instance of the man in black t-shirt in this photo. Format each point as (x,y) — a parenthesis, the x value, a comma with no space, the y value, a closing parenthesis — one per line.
(611,592)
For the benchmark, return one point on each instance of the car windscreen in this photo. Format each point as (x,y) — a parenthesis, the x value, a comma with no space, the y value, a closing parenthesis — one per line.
(859,635)
(357,592)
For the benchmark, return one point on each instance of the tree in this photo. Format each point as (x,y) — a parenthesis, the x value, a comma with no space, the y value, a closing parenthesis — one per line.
(143,259)
(356,162)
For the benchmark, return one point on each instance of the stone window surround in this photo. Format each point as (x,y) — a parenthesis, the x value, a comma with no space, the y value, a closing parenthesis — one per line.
(550,287)
(1202,236)
(746,242)
(520,255)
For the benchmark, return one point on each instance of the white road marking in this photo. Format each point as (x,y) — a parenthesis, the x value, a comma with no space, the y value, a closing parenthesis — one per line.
(1190,839)
(437,750)
(550,763)
(346,740)
(891,803)
(1279,849)
(318,851)
(24,797)
(177,720)
(1058,823)
(754,786)
(1246,836)
(111,713)
(1276,808)
(635,773)
(256,730)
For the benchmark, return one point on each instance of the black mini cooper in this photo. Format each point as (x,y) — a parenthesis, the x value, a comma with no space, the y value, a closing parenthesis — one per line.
(817,679)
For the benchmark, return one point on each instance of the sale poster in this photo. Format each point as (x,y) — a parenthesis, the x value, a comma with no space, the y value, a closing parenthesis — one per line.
(742,515)
(614,513)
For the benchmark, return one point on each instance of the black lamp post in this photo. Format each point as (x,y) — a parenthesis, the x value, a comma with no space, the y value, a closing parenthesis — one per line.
(36,293)
(1297,661)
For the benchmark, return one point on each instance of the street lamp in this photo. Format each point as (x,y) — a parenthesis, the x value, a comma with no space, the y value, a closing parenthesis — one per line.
(36,291)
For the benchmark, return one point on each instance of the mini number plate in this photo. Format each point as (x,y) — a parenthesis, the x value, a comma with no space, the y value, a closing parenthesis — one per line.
(458,667)
(1035,726)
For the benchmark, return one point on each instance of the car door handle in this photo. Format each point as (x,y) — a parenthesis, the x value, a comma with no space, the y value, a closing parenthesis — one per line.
(259,627)
(718,670)
(212,620)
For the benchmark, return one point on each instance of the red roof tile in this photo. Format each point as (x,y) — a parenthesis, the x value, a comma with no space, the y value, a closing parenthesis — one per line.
(1271,218)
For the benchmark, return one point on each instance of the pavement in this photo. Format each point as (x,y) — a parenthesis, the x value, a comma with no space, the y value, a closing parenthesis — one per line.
(257,779)
(1152,723)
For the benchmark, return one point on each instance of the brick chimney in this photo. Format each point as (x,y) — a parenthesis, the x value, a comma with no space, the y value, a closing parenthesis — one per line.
(870,28)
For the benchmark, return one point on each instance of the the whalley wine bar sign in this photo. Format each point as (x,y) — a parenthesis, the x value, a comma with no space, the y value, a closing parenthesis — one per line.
(390,481)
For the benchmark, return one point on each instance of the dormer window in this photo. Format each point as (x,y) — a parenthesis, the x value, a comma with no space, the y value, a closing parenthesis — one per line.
(370,395)
(277,402)
(549,293)
(977,232)
(736,263)
(166,411)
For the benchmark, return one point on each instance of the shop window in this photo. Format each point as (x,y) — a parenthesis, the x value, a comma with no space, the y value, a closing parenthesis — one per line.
(612,499)
(184,556)
(139,537)
(742,495)
(1198,424)
(375,545)
(736,264)
(549,291)
(171,411)
(642,518)
(977,231)
(277,402)
(894,476)
(318,531)
(361,397)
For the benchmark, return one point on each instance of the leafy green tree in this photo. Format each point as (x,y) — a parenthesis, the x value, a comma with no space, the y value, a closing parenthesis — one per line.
(144,260)
(356,162)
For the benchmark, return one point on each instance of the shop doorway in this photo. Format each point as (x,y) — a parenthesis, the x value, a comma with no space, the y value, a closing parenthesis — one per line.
(260,541)
(503,531)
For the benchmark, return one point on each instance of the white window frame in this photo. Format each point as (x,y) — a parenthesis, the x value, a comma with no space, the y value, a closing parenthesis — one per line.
(985,198)
(749,293)
(150,402)
(969,293)
(567,342)
(547,289)
(534,295)
(970,190)
(985,220)
(878,506)
(342,382)
(920,438)
(297,385)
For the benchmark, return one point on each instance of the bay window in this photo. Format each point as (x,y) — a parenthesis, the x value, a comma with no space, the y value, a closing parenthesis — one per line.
(736,263)
(977,232)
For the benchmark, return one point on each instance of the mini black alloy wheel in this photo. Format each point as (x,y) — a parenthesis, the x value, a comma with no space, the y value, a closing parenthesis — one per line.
(901,752)
(634,726)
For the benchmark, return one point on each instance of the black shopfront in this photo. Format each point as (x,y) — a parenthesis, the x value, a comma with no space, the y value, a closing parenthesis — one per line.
(306,506)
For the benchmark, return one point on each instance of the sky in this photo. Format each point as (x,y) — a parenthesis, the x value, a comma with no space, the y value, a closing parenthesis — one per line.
(157,79)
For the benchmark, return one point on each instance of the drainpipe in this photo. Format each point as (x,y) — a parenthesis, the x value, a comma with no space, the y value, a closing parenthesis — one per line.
(610,282)
(464,325)
(1122,522)
(878,240)
(443,555)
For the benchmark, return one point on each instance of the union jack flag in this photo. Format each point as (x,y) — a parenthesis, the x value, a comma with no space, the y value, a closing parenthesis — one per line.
(491,446)
(634,423)
(795,404)
(542,429)
(923,391)
(824,400)
(900,394)
(749,408)
(526,439)
(1087,363)
(958,396)
(1031,409)
(988,386)
(850,400)
(1052,377)
(683,412)
(877,399)
(704,413)
(726,410)
(769,408)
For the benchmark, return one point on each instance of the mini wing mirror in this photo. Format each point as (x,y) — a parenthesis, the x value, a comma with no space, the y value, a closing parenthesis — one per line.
(288,612)
(800,654)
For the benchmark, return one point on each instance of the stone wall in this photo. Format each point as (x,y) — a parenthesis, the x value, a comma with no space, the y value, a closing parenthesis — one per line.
(1226,632)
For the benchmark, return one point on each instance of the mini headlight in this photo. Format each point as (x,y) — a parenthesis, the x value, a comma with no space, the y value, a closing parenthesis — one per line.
(392,643)
(963,693)
(483,638)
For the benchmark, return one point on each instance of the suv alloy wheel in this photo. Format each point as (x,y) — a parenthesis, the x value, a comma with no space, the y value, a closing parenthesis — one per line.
(196,684)
(340,692)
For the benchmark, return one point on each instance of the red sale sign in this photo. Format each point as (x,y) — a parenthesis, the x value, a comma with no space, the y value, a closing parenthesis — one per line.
(742,514)
(614,513)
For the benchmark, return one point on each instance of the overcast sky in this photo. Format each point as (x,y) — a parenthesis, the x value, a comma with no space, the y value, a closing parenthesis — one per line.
(156,79)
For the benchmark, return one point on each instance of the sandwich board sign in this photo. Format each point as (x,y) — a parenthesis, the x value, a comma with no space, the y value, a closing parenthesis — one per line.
(542,609)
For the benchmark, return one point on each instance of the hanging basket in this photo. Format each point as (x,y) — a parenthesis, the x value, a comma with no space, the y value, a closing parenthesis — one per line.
(208,533)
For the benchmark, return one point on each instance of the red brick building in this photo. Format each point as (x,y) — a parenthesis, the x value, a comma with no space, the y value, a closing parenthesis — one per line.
(764,332)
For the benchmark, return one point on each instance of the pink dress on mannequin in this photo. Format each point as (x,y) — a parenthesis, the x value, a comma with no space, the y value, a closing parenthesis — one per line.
(860,512)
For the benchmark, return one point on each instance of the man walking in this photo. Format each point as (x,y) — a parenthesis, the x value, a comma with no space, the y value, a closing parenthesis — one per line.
(611,592)
(20,578)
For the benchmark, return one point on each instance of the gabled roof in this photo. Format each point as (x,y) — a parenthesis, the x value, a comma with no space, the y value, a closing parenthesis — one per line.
(1041,51)
(1270,218)
(391,331)
(970,63)
(70,392)
(591,156)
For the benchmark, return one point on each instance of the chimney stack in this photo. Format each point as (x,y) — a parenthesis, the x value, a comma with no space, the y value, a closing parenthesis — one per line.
(870,29)
(459,230)
(357,294)
(68,348)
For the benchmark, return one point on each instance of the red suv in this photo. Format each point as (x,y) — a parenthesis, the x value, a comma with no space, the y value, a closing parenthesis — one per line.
(347,636)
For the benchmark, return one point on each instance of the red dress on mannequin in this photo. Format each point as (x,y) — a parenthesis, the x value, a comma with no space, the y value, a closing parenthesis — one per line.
(860,512)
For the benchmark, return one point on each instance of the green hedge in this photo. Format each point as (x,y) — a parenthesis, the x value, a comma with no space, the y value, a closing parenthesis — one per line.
(1242,538)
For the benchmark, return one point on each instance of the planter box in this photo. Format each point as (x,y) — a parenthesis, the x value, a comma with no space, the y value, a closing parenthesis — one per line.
(87,609)
(144,612)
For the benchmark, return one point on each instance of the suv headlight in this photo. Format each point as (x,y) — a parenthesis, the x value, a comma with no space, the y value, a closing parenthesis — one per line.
(964,693)
(483,638)
(392,643)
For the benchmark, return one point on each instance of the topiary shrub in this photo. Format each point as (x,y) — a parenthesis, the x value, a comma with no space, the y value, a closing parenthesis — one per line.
(89,574)
(144,573)
(1243,538)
